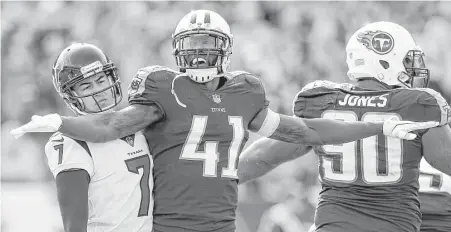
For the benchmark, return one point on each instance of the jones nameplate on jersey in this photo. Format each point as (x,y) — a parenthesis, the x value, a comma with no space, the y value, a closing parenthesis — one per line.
(349,100)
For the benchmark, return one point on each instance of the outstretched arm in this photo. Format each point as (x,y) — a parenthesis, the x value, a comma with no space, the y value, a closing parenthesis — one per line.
(325,131)
(96,128)
(320,131)
(311,131)
(437,148)
(264,155)
(110,126)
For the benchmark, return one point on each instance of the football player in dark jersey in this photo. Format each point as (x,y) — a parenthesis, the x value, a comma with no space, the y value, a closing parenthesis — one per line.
(197,120)
(371,184)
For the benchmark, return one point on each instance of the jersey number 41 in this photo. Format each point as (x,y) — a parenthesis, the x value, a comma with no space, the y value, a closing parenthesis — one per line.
(210,155)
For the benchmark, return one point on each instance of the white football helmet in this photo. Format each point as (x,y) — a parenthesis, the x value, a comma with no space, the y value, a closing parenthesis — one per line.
(206,23)
(387,52)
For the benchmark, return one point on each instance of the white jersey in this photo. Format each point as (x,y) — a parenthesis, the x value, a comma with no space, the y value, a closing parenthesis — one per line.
(435,198)
(121,180)
(432,180)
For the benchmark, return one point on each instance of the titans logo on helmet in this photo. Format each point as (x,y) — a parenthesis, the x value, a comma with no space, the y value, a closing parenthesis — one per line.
(378,41)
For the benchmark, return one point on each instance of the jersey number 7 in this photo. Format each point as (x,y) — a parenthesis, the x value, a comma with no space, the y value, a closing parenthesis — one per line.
(133,165)
(210,155)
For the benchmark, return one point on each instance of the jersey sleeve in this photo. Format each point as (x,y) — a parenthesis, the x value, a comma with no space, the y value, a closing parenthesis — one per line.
(298,104)
(64,153)
(435,106)
(431,179)
(257,91)
(150,85)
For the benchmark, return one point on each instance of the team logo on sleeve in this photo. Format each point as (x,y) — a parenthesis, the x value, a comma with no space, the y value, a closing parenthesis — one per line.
(378,41)
(137,85)
(134,86)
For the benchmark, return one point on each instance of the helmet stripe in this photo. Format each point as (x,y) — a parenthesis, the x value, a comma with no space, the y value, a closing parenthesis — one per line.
(207,17)
(193,18)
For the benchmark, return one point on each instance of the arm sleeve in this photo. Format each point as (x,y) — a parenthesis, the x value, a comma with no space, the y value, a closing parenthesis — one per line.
(64,153)
(259,106)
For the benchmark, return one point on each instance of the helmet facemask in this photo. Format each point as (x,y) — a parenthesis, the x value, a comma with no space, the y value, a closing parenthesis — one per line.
(76,102)
(202,54)
(416,74)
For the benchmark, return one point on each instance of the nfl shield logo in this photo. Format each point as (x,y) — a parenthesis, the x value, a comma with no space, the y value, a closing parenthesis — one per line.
(130,140)
(216,98)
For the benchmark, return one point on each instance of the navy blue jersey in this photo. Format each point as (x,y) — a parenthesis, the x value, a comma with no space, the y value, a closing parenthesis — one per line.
(370,184)
(196,146)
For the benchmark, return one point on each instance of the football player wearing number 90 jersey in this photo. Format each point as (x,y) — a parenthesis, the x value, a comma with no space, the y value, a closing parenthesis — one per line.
(435,199)
(101,186)
(196,122)
(371,184)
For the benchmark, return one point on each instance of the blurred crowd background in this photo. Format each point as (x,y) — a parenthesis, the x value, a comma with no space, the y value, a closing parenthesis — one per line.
(287,44)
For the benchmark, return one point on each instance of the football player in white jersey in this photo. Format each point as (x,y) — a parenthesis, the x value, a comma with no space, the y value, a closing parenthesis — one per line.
(435,199)
(101,186)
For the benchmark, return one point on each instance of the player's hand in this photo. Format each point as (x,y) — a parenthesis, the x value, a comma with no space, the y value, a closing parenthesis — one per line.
(402,129)
(47,123)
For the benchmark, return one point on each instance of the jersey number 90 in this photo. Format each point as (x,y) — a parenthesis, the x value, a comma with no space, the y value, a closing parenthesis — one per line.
(381,156)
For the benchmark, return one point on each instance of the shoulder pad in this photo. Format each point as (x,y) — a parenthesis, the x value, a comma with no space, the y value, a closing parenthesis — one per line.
(64,153)
(312,89)
(153,72)
(155,68)
(149,76)
(59,138)
(431,98)
(327,84)
(321,84)
(56,137)
(234,74)
(254,83)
